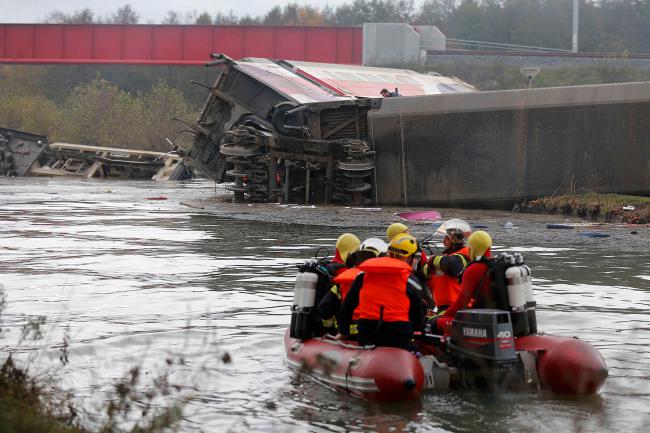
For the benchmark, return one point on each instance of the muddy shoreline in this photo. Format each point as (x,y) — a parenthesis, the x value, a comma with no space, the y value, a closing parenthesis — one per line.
(529,229)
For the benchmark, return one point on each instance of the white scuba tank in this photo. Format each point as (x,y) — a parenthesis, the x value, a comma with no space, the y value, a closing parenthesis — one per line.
(530,300)
(515,283)
(304,298)
(304,290)
(528,284)
(516,288)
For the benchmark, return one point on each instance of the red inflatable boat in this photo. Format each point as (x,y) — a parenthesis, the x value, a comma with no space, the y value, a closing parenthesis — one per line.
(463,359)
(480,348)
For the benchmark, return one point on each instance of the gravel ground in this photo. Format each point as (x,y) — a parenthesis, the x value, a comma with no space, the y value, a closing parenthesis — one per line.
(529,229)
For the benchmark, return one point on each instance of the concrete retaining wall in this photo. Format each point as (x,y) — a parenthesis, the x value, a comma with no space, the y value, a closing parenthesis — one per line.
(390,44)
(495,148)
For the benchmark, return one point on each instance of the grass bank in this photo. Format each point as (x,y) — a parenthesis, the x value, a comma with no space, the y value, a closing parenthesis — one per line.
(596,207)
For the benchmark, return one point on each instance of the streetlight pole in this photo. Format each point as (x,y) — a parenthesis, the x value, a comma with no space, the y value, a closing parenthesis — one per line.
(576,4)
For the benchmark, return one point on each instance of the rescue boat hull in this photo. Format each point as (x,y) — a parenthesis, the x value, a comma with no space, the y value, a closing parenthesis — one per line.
(562,365)
(378,374)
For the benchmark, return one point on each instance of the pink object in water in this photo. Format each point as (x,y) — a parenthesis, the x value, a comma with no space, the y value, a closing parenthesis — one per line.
(423,215)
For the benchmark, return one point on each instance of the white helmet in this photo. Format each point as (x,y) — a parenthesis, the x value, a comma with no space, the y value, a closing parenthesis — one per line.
(457,230)
(375,244)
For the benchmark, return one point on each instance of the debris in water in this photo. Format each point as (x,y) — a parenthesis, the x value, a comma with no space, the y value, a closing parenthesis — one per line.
(508,225)
(424,215)
(594,234)
(559,226)
(161,197)
(628,208)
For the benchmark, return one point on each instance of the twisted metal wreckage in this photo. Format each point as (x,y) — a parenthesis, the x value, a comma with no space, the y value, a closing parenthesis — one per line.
(26,154)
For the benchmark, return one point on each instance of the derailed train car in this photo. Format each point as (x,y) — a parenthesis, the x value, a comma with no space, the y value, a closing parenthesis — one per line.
(288,131)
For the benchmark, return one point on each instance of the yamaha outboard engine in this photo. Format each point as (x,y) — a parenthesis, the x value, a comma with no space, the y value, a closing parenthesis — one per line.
(483,343)
(304,298)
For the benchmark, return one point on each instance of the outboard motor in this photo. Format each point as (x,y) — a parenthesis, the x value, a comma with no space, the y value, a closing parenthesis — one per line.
(304,297)
(482,341)
(516,284)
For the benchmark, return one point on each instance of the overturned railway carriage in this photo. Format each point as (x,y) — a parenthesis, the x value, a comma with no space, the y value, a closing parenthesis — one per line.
(297,131)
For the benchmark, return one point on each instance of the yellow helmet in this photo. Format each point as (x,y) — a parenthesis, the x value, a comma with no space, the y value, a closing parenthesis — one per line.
(394,230)
(479,242)
(347,243)
(403,245)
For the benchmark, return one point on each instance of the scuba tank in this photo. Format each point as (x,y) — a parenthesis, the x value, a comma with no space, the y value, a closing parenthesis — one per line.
(516,287)
(530,298)
(304,297)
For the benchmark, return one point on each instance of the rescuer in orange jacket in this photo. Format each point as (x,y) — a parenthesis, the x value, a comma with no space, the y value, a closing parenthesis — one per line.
(475,282)
(346,245)
(442,271)
(418,261)
(331,302)
(389,304)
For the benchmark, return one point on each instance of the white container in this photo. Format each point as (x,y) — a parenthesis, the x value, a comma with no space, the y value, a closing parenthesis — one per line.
(516,288)
(304,290)
(528,284)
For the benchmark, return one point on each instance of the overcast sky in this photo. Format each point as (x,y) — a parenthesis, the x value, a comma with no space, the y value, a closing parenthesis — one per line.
(29,11)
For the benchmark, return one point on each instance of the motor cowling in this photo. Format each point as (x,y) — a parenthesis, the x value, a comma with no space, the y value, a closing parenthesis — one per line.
(482,341)
(304,297)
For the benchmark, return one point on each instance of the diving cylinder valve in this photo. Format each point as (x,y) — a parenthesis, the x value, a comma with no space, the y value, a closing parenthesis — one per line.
(517,298)
(530,300)
(304,297)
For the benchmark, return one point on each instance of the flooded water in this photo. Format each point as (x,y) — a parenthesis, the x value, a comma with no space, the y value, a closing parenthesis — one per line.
(138,281)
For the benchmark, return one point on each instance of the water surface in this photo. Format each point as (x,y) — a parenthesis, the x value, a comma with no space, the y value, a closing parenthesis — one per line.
(138,281)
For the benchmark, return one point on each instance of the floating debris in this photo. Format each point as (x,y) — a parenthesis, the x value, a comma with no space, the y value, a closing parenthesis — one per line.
(594,234)
(559,226)
(424,215)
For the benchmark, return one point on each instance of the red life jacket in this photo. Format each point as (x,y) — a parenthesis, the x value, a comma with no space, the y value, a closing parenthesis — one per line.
(445,288)
(384,287)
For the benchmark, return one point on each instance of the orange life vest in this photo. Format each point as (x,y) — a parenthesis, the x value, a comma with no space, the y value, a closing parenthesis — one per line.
(445,288)
(344,281)
(384,287)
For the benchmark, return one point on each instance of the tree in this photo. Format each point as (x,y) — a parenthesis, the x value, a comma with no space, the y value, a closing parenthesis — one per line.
(249,20)
(203,19)
(230,19)
(83,16)
(125,15)
(432,12)
(172,17)
(274,16)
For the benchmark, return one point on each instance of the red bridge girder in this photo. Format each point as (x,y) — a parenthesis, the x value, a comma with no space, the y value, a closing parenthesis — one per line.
(174,44)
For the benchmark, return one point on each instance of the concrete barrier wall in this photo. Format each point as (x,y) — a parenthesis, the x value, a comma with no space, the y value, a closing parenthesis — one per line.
(390,44)
(495,148)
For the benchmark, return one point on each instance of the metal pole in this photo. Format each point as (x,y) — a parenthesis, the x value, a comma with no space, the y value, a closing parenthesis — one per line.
(307,176)
(576,4)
